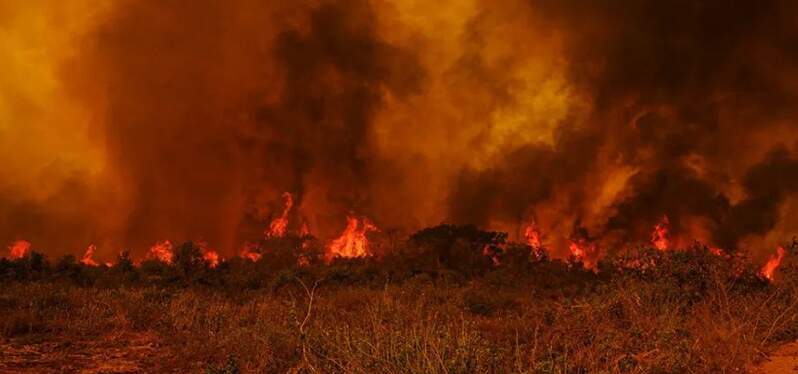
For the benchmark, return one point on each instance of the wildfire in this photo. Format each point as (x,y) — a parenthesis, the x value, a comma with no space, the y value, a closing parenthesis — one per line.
(87,257)
(248,252)
(212,257)
(353,241)
(585,252)
(532,236)
(659,237)
(19,249)
(162,251)
(279,226)
(773,263)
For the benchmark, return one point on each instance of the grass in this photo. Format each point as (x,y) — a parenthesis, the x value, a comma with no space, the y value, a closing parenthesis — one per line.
(625,325)
(683,312)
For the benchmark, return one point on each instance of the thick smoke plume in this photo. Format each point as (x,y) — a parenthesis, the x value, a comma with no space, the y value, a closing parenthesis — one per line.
(129,122)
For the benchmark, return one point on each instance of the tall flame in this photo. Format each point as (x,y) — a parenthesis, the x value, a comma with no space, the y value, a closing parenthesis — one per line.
(532,236)
(353,242)
(279,226)
(88,259)
(773,263)
(659,237)
(19,249)
(162,251)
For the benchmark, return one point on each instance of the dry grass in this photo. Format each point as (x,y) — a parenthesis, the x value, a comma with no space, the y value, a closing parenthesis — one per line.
(624,325)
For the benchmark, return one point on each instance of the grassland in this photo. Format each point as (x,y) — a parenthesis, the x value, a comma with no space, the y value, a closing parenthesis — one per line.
(675,312)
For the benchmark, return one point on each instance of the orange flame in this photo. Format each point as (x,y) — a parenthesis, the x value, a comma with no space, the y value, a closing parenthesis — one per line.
(659,237)
(87,257)
(212,257)
(353,241)
(279,226)
(162,251)
(532,236)
(585,252)
(773,263)
(19,249)
(248,252)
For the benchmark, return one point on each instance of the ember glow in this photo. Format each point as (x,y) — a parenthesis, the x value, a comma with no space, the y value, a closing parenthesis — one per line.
(19,249)
(353,242)
(772,264)
(88,256)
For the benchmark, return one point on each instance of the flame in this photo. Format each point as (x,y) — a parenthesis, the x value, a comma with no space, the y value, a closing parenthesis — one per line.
(353,241)
(773,263)
(585,252)
(212,257)
(87,257)
(305,230)
(19,249)
(279,226)
(162,251)
(715,251)
(532,236)
(659,237)
(248,252)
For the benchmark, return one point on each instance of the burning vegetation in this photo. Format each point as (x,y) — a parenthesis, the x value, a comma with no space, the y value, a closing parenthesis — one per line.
(597,141)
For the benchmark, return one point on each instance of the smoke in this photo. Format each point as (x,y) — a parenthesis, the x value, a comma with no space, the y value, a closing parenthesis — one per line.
(140,121)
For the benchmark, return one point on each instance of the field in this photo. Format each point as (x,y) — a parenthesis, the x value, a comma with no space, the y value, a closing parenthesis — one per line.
(651,312)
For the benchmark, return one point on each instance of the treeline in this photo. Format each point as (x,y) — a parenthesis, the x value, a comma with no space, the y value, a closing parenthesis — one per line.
(442,254)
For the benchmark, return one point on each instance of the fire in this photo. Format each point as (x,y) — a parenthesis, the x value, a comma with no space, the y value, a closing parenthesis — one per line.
(87,257)
(212,257)
(162,251)
(659,237)
(773,263)
(532,236)
(353,241)
(585,252)
(248,252)
(279,226)
(19,249)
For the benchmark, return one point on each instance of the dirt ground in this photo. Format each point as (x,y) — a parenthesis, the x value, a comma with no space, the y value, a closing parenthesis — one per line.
(122,352)
(784,360)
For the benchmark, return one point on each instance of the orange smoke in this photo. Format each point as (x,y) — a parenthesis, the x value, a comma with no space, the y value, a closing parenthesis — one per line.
(772,264)
(279,226)
(88,259)
(162,251)
(19,249)
(353,242)
(659,237)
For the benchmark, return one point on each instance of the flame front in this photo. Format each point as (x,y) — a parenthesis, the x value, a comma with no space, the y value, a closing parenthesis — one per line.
(353,242)
(659,237)
(162,251)
(773,263)
(88,259)
(532,236)
(19,249)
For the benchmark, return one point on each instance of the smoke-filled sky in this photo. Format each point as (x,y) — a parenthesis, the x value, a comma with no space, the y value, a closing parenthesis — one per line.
(127,122)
